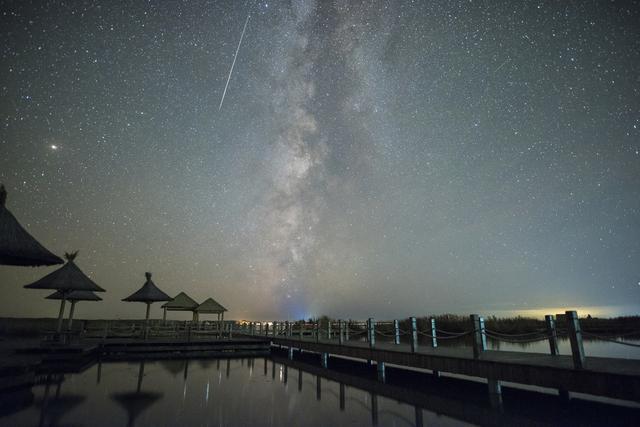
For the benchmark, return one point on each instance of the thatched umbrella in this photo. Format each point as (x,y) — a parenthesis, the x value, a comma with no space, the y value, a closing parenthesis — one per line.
(74,297)
(148,294)
(17,246)
(66,279)
(181,302)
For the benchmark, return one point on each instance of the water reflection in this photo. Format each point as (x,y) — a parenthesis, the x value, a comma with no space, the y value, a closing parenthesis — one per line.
(224,392)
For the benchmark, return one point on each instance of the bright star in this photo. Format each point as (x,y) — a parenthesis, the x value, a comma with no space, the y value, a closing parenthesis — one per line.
(54,147)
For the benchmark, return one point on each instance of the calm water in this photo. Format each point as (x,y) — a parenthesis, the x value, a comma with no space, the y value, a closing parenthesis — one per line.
(276,392)
(229,392)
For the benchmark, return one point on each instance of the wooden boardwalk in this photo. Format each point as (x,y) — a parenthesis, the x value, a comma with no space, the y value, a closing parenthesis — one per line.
(609,377)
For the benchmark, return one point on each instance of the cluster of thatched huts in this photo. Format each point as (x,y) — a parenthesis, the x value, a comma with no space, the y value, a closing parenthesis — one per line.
(19,248)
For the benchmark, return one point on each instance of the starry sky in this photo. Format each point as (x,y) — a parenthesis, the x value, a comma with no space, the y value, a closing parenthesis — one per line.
(370,158)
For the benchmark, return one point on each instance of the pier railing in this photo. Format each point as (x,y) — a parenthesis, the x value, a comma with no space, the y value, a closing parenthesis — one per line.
(408,330)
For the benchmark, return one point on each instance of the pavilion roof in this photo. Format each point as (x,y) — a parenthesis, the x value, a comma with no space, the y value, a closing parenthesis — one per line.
(76,296)
(181,302)
(210,306)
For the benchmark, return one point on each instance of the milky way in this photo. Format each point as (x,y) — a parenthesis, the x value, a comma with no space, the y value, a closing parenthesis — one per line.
(371,158)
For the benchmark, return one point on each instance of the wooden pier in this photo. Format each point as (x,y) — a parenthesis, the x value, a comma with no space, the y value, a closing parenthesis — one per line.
(608,377)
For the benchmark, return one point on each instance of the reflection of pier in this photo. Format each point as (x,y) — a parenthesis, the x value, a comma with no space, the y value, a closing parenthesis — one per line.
(609,377)
(456,398)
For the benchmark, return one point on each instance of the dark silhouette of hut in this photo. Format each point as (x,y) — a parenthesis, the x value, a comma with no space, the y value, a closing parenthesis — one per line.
(210,306)
(74,297)
(66,279)
(148,294)
(17,246)
(181,302)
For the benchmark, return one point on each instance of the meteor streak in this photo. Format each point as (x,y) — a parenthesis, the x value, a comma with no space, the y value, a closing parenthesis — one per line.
(233,63)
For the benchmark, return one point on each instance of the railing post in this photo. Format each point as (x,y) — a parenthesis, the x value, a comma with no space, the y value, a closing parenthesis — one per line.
(266,329)
(371,329)
(301,326)
(329,329)
(289,329)
(434,335)
(324,359)
(340,332)
(396,332)
(231,330)
(346,330)
(575,336)
(552,333)
(274,331)
(316,329)
(479,335)
(413,324)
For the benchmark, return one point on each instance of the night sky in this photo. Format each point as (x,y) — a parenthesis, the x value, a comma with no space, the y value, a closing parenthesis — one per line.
(370,158)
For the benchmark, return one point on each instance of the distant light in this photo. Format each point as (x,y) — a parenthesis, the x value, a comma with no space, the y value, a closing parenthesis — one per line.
(54,147)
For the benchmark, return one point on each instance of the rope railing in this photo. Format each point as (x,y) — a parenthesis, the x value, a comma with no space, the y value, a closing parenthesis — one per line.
(517,340)
(454,333)
(526,334)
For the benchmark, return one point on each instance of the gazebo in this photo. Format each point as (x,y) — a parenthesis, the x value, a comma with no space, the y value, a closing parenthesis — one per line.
(17,246)
(148,294)
(74,297)
(210,306)
(66,279)
(181,302)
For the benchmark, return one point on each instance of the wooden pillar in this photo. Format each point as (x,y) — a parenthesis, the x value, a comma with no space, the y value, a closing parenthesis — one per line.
(289,329)
(146,322)
(61,313)
(434,335)
(575,336)
(419,417)
(374,409)
(495,392)
(346,330)
(552,333)
(266,329)
(70,321)
(301,329)
(316,328)
(396,332)
(381,372)
(371,332)
(413,324)
(290,353)
(164,314)
(274,330)
(329,329)
(479,335)
(324,359)
(340,332)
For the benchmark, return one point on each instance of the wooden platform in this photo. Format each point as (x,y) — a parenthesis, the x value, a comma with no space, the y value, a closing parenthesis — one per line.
(615,378)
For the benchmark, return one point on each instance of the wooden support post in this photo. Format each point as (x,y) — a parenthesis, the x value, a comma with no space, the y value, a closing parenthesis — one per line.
(290,353)
(266,329)
(575,336)
(289,329)
(301,326)
(381,372)
(413,324)
(479,335)
(274,330)
(346,331)
(495,392)
(340,332)
(324,359)
(316,328)
(371,332)
(434,334)
(328,329)
(552,333)
(419,417)
(396,332)
(230,330)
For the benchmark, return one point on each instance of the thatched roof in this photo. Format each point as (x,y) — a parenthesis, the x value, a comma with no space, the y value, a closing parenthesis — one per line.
(210,306)
(149,292)
(182,302)
(76,296)
(17,246)
(67,278)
